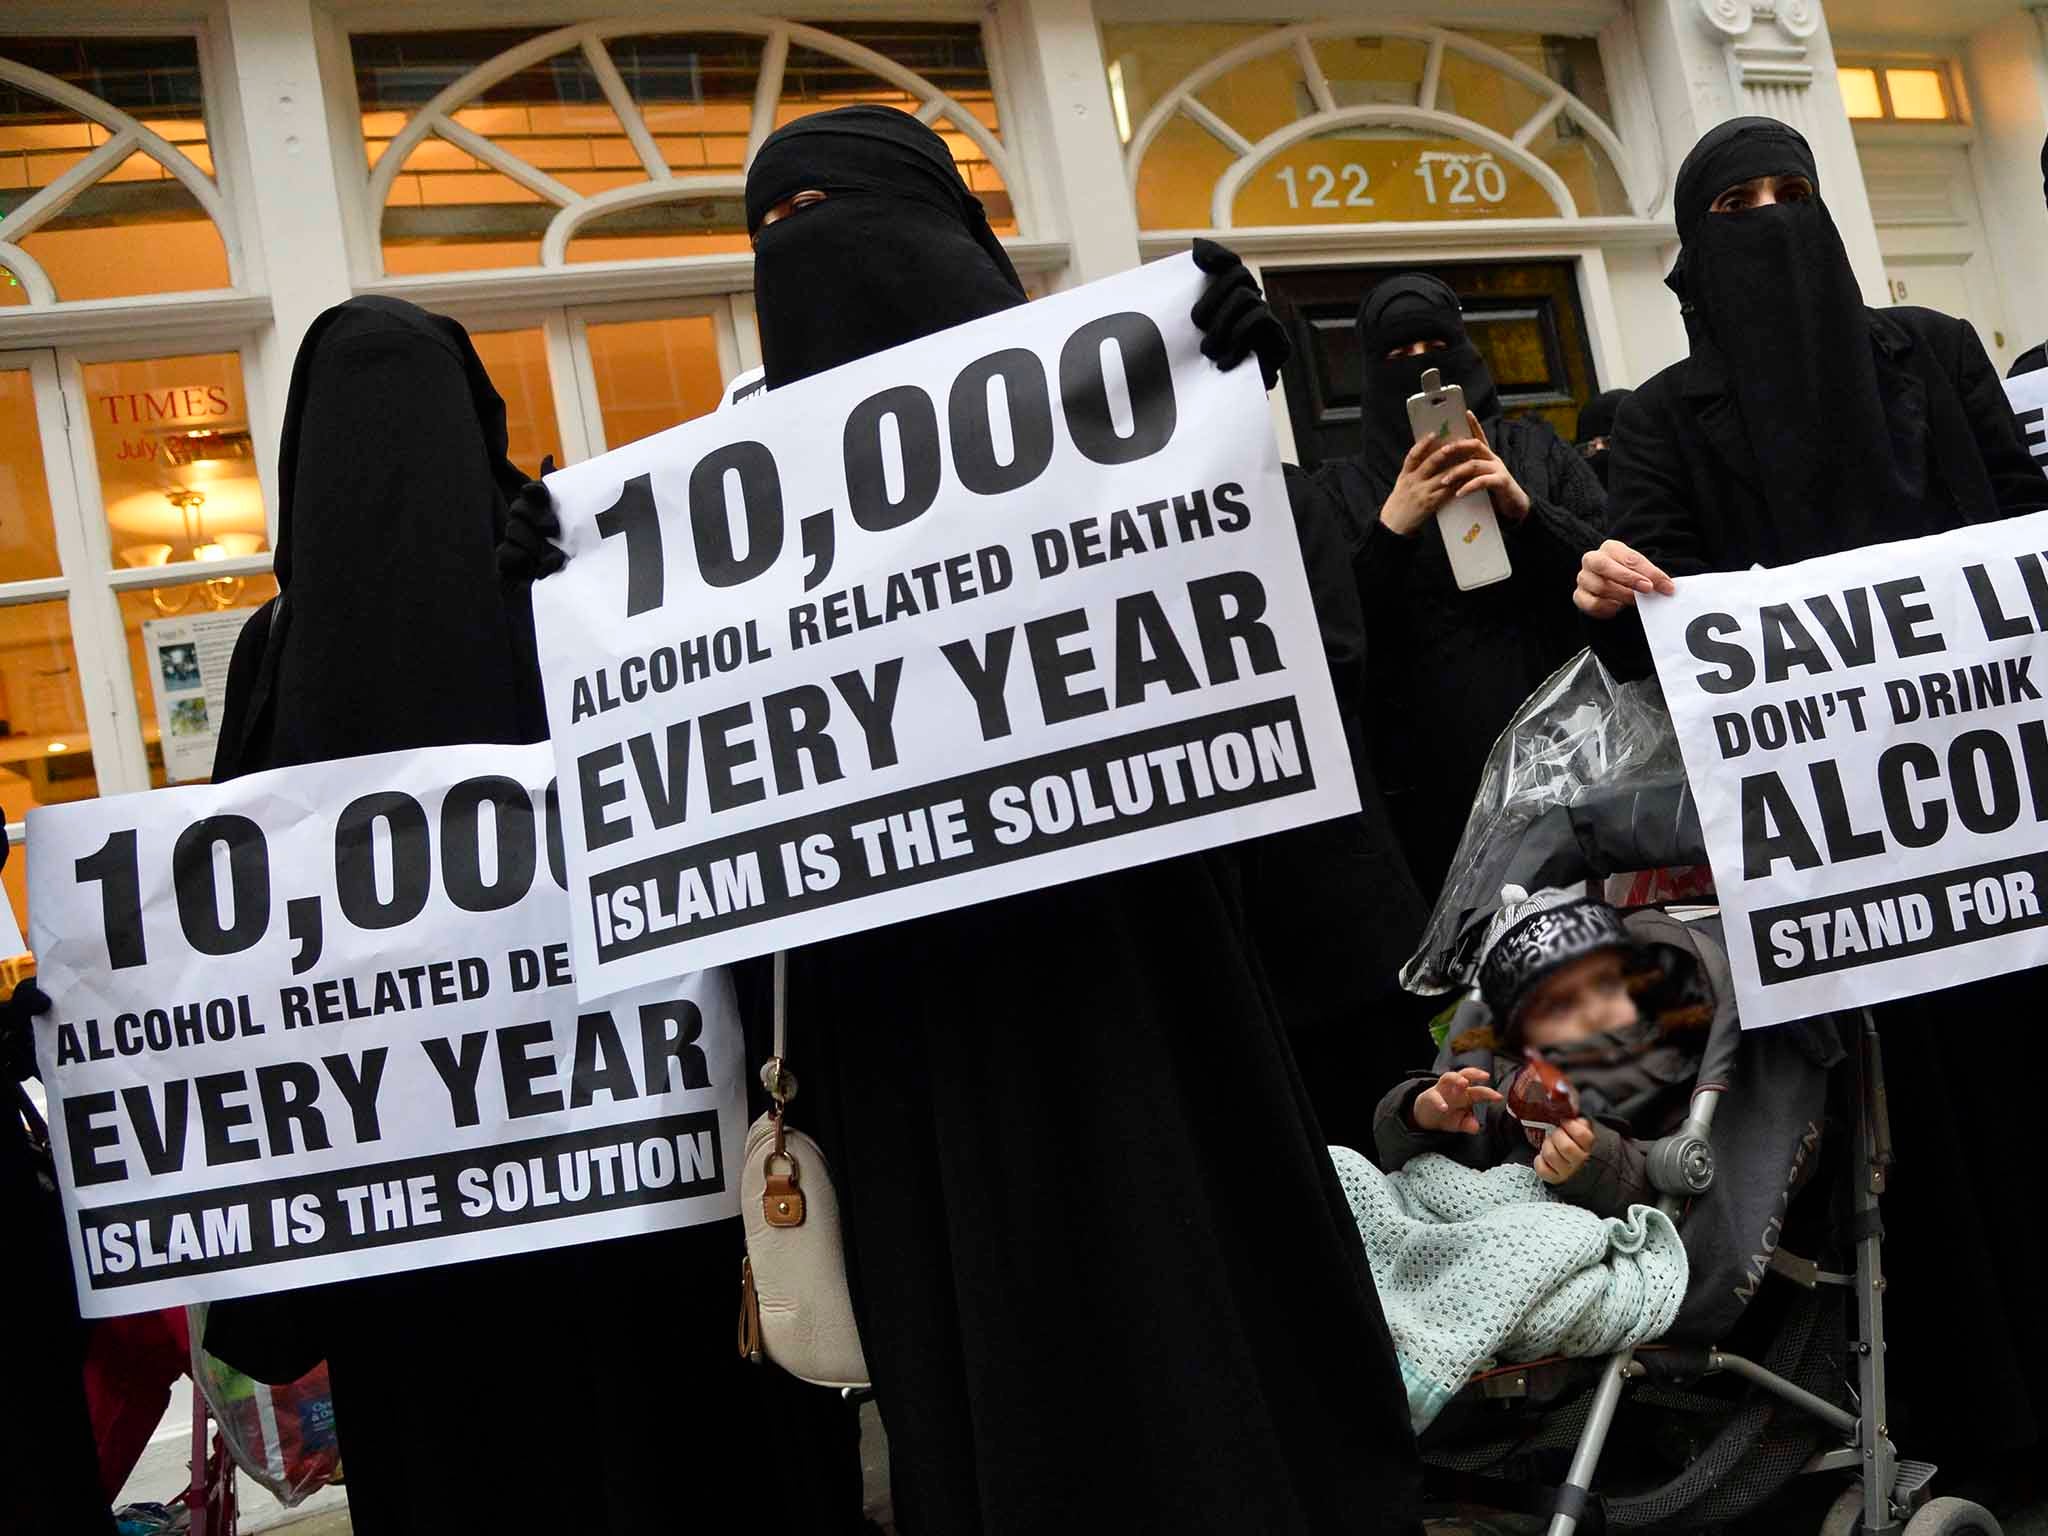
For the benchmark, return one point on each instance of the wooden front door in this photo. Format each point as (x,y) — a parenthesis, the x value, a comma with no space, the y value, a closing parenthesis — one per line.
(1523,316)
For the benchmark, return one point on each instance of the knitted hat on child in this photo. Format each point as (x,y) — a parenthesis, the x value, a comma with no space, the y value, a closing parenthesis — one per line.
(1532,936)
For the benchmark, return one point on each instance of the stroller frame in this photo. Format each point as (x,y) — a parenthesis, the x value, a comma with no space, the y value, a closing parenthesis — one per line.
(1892,1489)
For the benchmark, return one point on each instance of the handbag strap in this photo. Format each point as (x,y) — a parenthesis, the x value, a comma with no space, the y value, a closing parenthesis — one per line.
(775,1074)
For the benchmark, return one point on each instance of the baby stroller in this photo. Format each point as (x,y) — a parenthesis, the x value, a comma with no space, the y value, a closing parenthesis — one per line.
(1586,784)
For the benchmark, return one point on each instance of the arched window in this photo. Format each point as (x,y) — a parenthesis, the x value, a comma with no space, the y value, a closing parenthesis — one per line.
(106,189)
(629,139)
(1328,123)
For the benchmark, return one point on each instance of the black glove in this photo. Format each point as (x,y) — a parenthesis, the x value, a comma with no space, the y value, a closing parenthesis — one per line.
(1233,315)
(530,522)
(17,1030)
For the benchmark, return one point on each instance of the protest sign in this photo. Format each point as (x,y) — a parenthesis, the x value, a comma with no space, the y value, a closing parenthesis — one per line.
(1866,737)
(1012,605)
(2029,395)
(320,1022)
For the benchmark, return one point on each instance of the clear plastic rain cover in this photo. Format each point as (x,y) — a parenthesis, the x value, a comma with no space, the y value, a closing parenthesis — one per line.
(1580,734)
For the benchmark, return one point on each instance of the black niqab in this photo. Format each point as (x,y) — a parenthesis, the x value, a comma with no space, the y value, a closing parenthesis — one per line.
(972,1073)
(928,259)
(391,632)
(392,485)
(1398,313)
(1771,299)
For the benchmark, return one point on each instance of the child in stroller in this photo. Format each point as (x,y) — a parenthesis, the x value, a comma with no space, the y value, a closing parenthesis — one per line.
(1559,973)
(1775,1365)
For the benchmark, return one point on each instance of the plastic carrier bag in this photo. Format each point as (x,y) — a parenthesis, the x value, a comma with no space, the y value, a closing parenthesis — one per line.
(282,1436)
(1580,736)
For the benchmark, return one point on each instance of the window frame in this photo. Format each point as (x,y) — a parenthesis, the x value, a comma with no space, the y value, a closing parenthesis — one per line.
(89,581)
(1881,65)
(245,300)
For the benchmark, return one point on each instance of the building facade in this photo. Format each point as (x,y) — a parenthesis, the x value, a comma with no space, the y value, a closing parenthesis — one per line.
(185,184)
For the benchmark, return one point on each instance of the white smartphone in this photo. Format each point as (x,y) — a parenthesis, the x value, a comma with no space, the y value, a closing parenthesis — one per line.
(1479,556)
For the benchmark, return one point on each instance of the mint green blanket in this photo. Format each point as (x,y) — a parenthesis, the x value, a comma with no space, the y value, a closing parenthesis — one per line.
(1478,1267)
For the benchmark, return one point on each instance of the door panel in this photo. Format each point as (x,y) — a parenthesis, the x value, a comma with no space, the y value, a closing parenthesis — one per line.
(1524,317)
(1924,203)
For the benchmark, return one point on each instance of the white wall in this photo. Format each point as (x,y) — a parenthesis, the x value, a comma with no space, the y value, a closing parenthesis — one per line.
(2006,72)
(1652,332)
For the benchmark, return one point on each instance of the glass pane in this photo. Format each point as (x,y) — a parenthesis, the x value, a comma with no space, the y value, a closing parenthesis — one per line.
(45,751)
(1916,95)
(15,878)
(1177,175)
(180,640)
(696,95)
(1369,175)
(1373,71)
(652,374)
(1153,57)
(89,248)
(28,543)
(517,362)
(1259,96)
(1859,93)
(177,469)
(1473,89)
(694,92)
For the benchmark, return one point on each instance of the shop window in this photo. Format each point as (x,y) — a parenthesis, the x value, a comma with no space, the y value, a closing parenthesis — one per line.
(28,538)
(1879,91)
(177,468)
(45,749)
(1309,125)
(631,144)
(653,374)
(179,639)
(517,362)
(136,210)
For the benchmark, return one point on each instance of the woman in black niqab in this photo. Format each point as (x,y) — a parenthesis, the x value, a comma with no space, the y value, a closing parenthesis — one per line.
(1087,1209)
(1805,424)
(590,1389)
(1446,669)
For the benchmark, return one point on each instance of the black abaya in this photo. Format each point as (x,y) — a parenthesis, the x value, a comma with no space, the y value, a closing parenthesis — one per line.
(1104,1273)
(591,1389)
(1446,669)
(1968,1354)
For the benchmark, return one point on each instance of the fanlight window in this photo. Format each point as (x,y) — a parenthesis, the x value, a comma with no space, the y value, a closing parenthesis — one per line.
(1318,124)
(106,185)
(620,140)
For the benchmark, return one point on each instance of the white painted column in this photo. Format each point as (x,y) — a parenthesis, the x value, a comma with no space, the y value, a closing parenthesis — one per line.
(1051,55)
(2006,65)
(294,184)
(1710,60)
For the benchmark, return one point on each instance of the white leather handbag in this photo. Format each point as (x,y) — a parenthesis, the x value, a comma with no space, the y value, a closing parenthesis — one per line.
(795,1309)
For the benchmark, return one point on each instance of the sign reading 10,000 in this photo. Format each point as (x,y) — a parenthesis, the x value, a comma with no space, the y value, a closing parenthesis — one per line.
(381,882)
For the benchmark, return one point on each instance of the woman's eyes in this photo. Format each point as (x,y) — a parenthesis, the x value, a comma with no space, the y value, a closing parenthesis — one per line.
(1731,202)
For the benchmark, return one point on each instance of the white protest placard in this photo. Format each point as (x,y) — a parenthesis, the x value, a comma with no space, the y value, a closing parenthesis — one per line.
(1016,604)
(2029,395)
(1866,736)
(321,1022)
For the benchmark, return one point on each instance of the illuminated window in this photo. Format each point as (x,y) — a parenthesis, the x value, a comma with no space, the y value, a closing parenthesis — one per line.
(1247,125)
(1860,94)
(1878,91)
(1917,95)
(104,155)
(633,145)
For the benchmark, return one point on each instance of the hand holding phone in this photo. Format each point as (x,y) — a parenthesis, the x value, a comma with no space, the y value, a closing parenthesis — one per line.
(1471,532)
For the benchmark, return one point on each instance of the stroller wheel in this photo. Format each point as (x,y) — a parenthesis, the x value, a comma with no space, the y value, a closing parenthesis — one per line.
(1938,1517)
(1953,1517)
